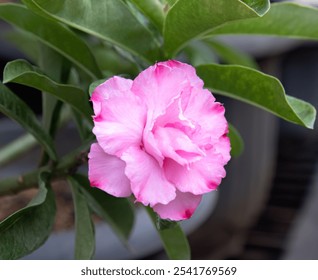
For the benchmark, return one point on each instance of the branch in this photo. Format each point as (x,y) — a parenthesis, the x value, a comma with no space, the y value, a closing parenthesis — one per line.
(68,165)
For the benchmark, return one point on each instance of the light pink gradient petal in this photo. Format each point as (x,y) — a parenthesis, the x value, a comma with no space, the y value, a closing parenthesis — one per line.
(116,86)
(148,182)
(188,69)
(120,124)
(177,145)
(208,114)
(107,172)
(223,147)
(174,117)
(158,86)
(181,208)
(202,176)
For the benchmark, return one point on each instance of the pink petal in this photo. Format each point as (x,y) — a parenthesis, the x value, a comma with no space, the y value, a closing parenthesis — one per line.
(202,176)
(151,146)
(181,208)
(223,147)
(188,69)
(158,86)
(107,172)
(172,118)
(208,114)
(148,182)
(120,123)
(115,86)
(175,144)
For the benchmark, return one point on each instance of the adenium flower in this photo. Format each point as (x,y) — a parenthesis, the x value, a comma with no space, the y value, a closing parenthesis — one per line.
(160,137)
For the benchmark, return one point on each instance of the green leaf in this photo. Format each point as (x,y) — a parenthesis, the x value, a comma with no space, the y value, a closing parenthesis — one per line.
(237,143)
(260,6)
(27,229)
(198,52)
(109,20)
(84,128)
(172,236)
(231,55)
(51,63)
(283,19)
(24,42)
(153,9)
(20,71)
(16,109)
(258,89)
(84,226)
(189,19)
(171,2)
(117,212)
(52,34)
(111,62)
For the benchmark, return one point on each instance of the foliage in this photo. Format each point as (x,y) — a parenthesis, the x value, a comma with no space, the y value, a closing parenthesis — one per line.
(81,45)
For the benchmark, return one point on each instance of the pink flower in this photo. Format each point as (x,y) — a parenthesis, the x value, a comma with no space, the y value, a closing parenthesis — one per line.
(160,137)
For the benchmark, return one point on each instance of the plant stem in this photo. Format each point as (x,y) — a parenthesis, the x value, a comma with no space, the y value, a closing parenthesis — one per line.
(17,148)
(18,184)
(68,165)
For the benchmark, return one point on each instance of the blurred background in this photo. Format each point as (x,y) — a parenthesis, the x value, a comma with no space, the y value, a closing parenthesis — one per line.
(267,207)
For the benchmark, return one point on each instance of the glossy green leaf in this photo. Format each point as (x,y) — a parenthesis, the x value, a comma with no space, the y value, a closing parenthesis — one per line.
(189,19)
(117,212)
(171,2)
(198,52)
(258,89)
(237,143)
(13,107)
(283,19)
(111,62)
(20,71)
(51,63)
(25,42)
(27,229)
(109,20)
(52,34)
(84,227)
(153,9)
(84,126)
(231,55)
(174,240)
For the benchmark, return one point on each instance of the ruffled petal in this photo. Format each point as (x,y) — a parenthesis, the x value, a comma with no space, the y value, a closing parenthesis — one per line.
(116,86)
(189,71)
(158,86)
(202,109)
(181,208)
(107,172)
(148,182)
(175,144)
(120,123)
(173,118)
(202,176)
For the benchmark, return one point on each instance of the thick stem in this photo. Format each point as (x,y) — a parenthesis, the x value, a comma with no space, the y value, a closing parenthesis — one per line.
(67,166)
(17,148)
(18,184)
